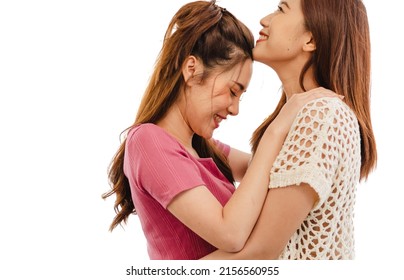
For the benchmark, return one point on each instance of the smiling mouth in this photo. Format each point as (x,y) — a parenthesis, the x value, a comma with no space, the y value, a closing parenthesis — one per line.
(218,119)
(263,37)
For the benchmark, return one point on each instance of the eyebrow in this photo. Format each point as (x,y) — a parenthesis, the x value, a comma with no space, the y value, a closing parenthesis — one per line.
(242,87)
(284,3)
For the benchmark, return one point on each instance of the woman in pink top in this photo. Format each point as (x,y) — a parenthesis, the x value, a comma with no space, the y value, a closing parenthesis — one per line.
(180,180)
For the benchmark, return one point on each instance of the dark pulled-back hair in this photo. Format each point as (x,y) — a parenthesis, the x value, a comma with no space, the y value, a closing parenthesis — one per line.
(219,40)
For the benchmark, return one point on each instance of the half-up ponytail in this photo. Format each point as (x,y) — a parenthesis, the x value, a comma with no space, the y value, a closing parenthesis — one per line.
(214,36)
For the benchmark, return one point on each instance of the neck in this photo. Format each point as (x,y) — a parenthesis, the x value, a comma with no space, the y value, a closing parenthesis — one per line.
(293,86)
(290,78)
(175,124)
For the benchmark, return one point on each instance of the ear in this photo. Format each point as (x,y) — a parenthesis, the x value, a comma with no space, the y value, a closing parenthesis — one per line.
(310,44)
(190,67)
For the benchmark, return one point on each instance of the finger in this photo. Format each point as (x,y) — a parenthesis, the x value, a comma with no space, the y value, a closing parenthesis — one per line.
(323,92)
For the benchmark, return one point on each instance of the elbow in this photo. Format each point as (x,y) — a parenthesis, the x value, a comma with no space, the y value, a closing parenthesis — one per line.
(233,242)
(261,251)
(232,246)
(265,252)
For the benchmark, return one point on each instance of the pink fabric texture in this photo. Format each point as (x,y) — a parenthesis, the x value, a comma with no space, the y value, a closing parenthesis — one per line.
(158,168)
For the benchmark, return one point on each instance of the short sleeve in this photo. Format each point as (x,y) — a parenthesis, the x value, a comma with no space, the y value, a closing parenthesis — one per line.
(309,154)
(224,148)
(158,164)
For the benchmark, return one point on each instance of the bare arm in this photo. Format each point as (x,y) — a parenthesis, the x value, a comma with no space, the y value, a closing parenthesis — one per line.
(286,207)
(238,162)
(284,211)
(228,227)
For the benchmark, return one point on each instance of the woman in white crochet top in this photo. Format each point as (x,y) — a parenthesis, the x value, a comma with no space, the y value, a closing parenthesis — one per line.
(309,210)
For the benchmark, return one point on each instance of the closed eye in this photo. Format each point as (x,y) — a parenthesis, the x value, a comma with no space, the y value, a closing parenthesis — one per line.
(235,95)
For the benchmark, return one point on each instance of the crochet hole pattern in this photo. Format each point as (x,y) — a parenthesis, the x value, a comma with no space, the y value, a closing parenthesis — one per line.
(322,149)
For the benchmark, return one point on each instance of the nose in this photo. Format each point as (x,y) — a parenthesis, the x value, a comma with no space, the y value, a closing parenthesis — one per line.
(265,21)
(233,109)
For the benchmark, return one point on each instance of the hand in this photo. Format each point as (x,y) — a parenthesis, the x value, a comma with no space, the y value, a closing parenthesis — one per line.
(282,123)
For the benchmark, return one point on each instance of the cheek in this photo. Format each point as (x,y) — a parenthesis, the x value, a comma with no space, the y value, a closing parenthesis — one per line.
(221,100)
(276,48)
(197,100)
(200,111)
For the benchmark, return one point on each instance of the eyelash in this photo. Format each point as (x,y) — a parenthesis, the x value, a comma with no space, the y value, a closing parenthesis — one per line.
(233,94)
(280,9)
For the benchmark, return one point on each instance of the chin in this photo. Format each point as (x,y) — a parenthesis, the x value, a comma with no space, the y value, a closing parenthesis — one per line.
(257,53)
(260,55)
(207,135)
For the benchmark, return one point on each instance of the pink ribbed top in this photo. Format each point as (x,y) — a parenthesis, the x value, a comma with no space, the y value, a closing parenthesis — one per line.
(159,168)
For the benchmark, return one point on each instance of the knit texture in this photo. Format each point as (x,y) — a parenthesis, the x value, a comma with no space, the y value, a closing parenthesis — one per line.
(322,149)
(159,168)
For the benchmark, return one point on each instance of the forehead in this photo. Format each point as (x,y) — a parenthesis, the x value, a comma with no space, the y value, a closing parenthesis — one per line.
(242,73)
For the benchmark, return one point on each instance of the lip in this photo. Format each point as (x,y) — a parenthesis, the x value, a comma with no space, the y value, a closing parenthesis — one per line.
(262,33)
(217,123)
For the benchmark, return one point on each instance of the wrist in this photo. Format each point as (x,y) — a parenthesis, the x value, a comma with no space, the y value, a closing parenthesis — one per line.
(274,132)
(270,145)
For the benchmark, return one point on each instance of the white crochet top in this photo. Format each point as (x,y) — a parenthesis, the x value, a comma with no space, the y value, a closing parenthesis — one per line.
(322,149)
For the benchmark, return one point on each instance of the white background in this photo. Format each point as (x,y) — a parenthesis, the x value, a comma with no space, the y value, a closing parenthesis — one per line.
(71,77)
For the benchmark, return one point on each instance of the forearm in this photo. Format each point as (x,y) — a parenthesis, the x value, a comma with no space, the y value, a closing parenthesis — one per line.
(284,211)
(241,212)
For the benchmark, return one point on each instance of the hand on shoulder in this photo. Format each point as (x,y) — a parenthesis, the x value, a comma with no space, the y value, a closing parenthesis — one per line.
(283,122)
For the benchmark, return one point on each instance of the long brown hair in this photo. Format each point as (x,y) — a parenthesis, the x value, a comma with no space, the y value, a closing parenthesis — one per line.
(218,39)
(341,62)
